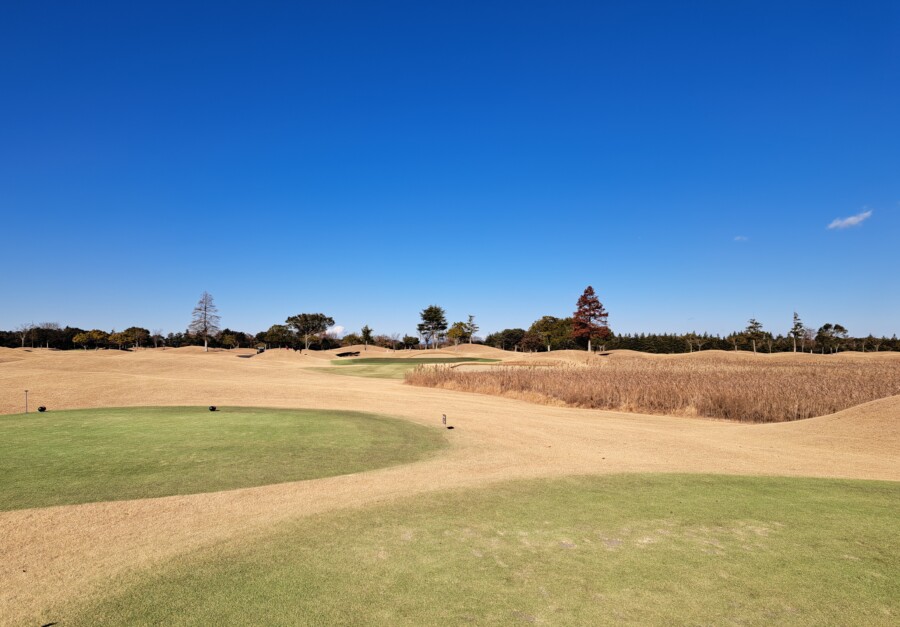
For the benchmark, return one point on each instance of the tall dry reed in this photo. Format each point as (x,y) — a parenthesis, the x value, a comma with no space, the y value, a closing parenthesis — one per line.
(755,389)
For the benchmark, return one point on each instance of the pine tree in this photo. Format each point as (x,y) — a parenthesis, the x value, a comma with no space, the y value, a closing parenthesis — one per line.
(366,335)
(797,331)
(471,327)
(433,325)
(754,332)
(589,319)
(309,324)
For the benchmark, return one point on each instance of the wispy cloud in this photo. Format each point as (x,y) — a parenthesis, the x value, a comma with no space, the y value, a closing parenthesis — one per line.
(741,238)
(337,330)
(844,223)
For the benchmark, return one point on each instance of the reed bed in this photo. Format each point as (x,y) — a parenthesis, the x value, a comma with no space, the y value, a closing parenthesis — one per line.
(746,390)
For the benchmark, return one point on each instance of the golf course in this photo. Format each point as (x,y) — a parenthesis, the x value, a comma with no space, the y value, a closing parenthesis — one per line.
(335,499)
(417,314)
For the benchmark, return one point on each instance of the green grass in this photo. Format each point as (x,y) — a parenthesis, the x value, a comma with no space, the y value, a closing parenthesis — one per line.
(356,361)
(390,367)
(634,549)
(78,456)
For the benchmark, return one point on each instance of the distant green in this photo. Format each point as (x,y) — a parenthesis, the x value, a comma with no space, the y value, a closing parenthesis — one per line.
(64,457)
(391,367)
(354,361)
(628,549)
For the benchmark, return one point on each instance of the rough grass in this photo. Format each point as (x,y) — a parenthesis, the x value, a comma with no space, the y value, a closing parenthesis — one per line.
(388,367)
(642,550)
(78,456)
(768,389)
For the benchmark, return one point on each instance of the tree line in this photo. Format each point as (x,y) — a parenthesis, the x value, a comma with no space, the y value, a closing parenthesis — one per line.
(586,329)
(551,333)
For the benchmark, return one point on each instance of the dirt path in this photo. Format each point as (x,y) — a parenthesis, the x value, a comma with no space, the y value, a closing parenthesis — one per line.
(55,555)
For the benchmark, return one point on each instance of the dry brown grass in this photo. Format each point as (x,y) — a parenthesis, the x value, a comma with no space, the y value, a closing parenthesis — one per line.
(742,388)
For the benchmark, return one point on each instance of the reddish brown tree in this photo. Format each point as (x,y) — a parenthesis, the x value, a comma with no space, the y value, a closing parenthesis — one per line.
(589,320)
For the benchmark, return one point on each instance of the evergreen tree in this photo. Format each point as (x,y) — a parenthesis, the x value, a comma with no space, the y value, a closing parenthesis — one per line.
(471,327)
(589,319)
(507,339)
(309,324)
(532,342)
(556,333)
(754,332)
(825,337)
(797,331)
(279,335)
(433,325)
(366,336)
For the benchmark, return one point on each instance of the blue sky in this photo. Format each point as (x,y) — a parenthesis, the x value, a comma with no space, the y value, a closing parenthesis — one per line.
(367,160)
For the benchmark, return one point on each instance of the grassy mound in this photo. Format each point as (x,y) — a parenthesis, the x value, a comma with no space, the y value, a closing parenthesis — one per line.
(392,367)
(665,549)
(414,361)
(65,457)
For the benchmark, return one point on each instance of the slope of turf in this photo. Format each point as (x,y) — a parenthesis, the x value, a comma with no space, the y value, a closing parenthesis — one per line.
(664,549)
(390,367)
(358,361)
(77,456)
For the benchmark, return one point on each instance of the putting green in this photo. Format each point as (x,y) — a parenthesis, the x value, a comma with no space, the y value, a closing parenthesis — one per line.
(634,549)
(78,456)
(390,367)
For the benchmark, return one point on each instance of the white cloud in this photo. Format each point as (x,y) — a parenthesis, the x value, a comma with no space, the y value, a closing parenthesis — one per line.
(741,238)
(337,330)
(843,223)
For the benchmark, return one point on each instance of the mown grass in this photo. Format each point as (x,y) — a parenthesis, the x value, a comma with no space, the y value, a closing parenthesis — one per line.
(390,367)
(78,456)
(768,389)
(356,361)
(636,549)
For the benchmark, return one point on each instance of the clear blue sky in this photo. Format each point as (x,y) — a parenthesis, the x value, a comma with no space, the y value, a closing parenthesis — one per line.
(369,159)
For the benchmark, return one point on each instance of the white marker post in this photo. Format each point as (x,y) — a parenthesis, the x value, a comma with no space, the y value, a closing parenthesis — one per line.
(444,418)
(26,401)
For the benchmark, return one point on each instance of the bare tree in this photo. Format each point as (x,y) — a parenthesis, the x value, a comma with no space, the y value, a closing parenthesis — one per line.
(808,337)
(206,319)
(157,337)
(24,331)
(693,338)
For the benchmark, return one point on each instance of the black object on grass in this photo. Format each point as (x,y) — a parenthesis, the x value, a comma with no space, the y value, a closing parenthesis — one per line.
(212,408)
(450,427)
(42,408)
